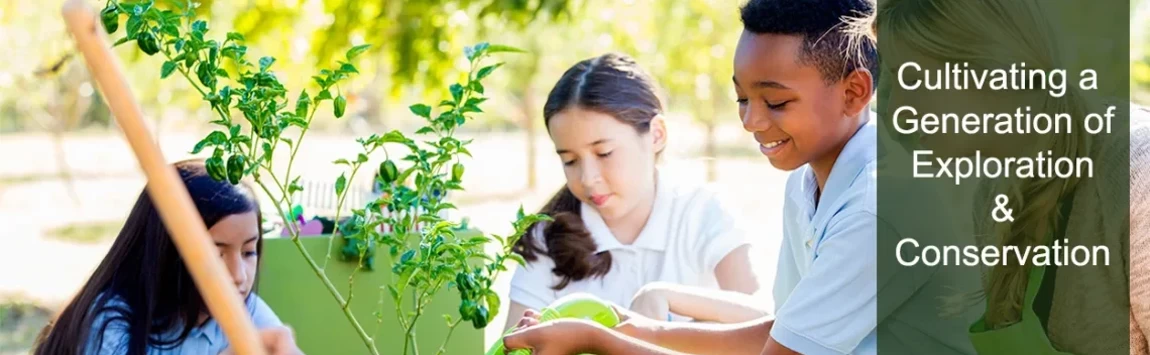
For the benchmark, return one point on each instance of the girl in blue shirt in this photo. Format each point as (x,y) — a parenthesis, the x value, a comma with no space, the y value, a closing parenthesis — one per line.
(141,298)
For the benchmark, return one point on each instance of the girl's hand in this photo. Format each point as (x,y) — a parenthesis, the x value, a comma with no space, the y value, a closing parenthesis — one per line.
(651,301)
(557,337)
(276,341)
(636,325)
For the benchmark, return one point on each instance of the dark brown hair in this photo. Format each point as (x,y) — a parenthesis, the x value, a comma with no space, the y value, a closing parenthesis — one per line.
(144,270)
(611,84)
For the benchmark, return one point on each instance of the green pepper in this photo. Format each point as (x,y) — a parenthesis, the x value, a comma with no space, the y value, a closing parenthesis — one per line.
(235,168)
(147,42)
(388,172)
(110,17)
(216,168)
(467,309)
(480,319)
(457,172)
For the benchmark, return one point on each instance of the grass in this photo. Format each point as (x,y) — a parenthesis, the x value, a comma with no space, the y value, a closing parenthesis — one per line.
(85,233)
(20,322)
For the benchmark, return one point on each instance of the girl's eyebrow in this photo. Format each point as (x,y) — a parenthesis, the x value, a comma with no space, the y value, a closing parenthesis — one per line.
(595,143)
(252,239)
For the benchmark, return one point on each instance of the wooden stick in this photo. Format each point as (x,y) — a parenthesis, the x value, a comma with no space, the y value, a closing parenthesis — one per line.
(165,187)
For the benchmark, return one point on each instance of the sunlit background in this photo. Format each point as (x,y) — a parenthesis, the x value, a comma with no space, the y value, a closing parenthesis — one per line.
(67,177)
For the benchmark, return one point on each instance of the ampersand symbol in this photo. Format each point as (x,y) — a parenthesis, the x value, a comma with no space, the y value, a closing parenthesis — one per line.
(1000,212)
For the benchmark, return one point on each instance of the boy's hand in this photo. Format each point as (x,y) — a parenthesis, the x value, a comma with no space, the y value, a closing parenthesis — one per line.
(276,341)
(557,337)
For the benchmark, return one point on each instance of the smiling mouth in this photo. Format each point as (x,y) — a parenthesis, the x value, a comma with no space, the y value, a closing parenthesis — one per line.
(773,144)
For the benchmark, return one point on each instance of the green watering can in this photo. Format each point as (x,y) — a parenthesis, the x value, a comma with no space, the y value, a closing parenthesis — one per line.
(578,305)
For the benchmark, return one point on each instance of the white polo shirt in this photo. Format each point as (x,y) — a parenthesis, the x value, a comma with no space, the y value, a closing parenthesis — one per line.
(688,233)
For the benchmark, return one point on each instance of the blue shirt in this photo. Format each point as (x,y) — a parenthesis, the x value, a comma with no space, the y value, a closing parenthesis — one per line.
(826,289)
(208,338)
(825,293)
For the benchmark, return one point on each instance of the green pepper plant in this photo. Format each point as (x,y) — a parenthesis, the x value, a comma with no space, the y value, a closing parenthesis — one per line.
(428,255)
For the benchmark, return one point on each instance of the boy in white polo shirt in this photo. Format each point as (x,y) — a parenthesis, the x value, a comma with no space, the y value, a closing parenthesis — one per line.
(803,75)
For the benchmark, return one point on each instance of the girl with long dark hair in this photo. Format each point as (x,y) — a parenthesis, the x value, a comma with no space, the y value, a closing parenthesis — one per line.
(619,223)
(141,299)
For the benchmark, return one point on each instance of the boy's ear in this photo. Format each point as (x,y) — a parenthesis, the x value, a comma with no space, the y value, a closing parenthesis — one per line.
(859,86)
(659,132)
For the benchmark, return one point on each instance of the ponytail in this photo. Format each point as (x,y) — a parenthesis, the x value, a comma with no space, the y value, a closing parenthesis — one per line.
(613,84)
(567,241)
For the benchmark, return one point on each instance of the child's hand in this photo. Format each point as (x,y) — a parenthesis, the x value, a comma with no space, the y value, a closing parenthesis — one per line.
(557,337)
(651,301)
(276,341)
(635,325)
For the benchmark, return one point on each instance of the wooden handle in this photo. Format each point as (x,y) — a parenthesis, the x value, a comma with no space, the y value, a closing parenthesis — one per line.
(164,185)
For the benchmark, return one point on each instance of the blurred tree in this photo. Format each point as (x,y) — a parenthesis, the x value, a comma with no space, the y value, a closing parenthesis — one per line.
(416,38)
(688,45)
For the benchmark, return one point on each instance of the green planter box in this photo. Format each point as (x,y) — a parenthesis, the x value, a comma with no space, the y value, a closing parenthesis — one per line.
(301,300)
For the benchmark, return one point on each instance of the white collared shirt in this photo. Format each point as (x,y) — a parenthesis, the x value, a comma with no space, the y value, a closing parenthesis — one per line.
(687,234)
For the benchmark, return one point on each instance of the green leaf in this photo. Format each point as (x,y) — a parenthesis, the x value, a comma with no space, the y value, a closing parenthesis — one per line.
(287,140)
(477,87)
(357,50)
(457,92)
(425,130)
(394,136)
(235,36)
(362,158)
(301,104)
(492,304)
(213,139)
(499,48)
(466,109)
(395,294)
(170,30)
(235,130)
(340,105)
(167,69)
(135,23)
(221,72)
(200,26)
(485,71)
(340,184)
(421,110)
(124,40)
(481,47)
(520,214)
(295,121)
(323,95)
(348,68)
(341,161)
(266,62)
(407,256)
(518,259)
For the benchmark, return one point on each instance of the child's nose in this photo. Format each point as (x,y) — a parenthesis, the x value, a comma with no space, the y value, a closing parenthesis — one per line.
(755,120)
(591,174)
(239,273)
